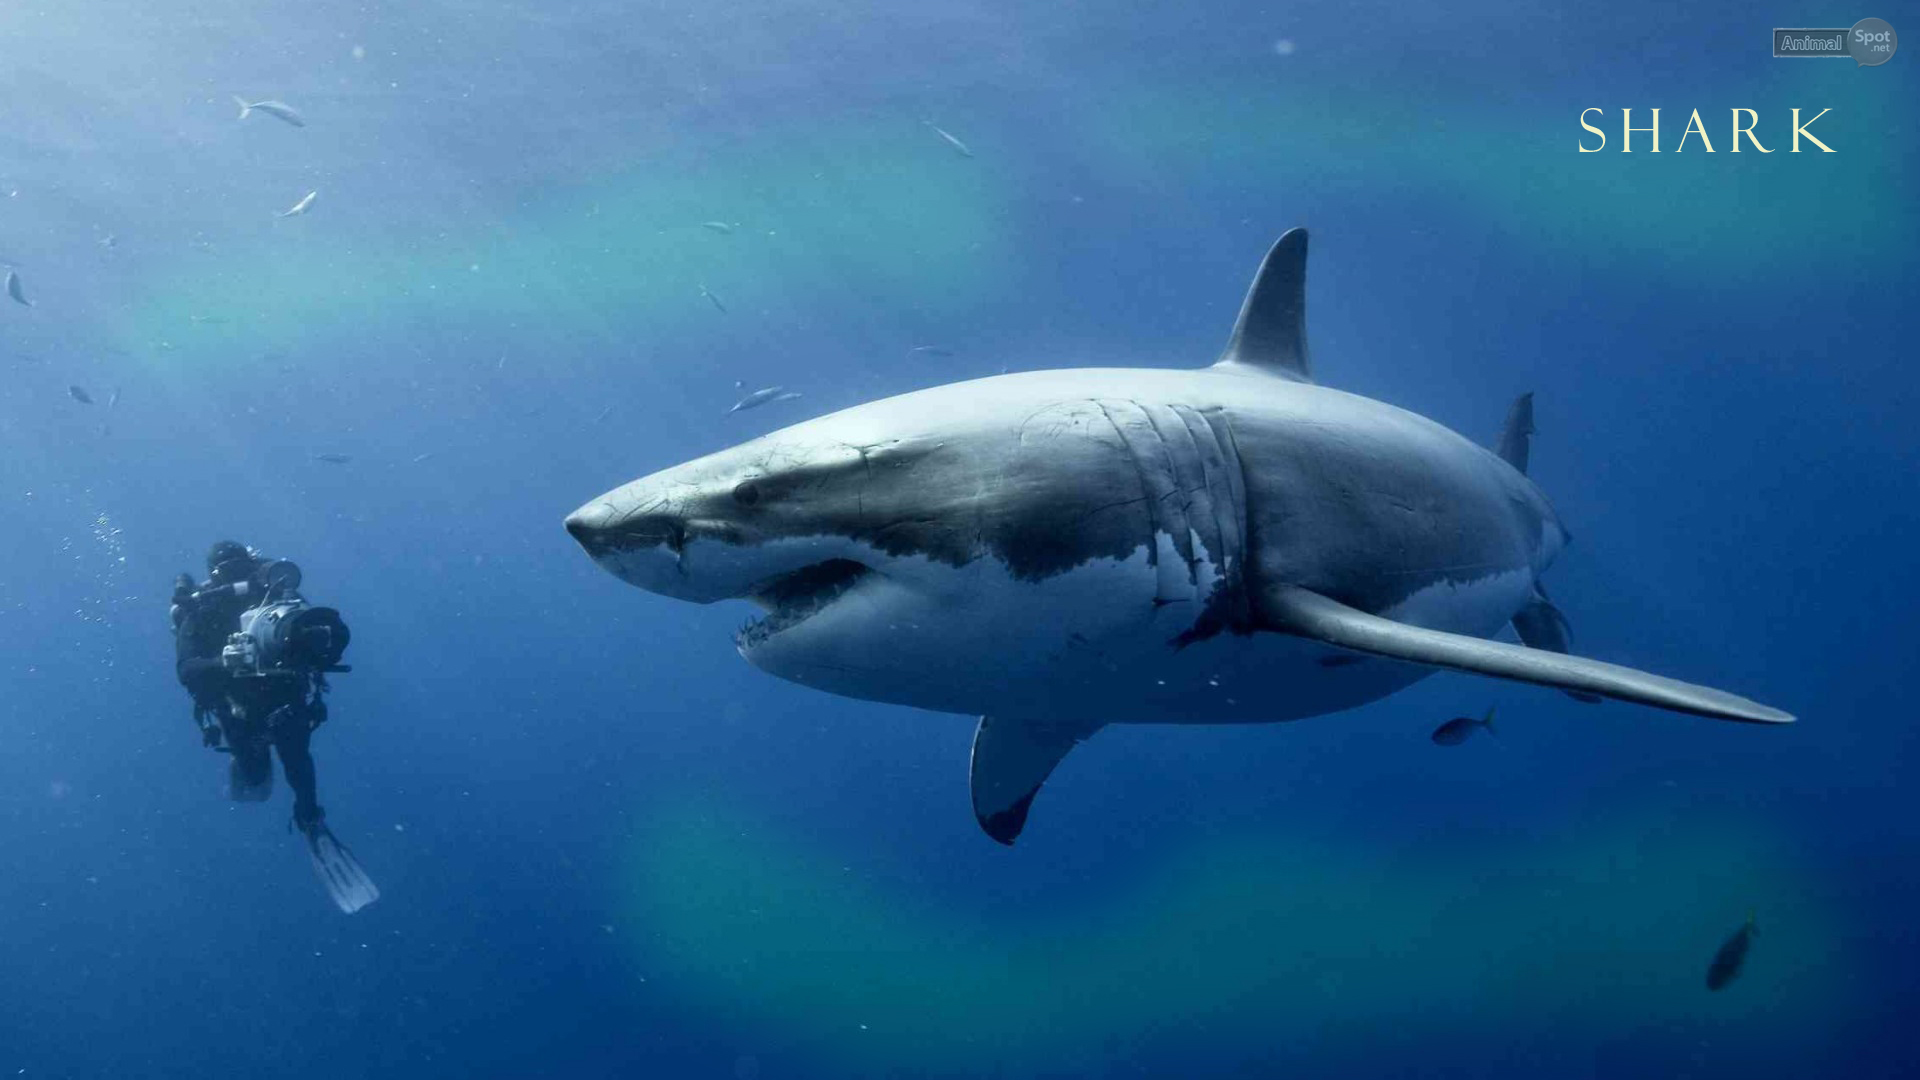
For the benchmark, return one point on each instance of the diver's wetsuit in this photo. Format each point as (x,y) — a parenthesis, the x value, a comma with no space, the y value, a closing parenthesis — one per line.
(251,713)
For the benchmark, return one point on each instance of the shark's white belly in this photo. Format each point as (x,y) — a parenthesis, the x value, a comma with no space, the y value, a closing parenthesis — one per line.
(1096,644)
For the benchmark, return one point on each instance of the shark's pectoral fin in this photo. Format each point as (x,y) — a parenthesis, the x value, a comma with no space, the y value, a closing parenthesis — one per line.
(1542,626)
(1302,612)
(1011,759)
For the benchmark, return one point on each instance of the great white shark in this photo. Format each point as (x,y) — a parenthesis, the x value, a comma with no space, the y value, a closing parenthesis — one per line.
(1055,551)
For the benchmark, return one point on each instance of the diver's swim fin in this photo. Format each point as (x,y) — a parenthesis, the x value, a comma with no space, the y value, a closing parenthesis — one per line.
(347,885)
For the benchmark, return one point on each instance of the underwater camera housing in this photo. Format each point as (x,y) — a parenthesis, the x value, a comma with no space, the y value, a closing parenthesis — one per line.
(284,635)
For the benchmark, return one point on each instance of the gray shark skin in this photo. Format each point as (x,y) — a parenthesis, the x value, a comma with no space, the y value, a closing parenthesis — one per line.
(1055,551)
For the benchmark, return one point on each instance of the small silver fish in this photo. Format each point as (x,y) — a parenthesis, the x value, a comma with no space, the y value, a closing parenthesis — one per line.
(113,398)
(428,456)
(208,320)
(934,351)
(766,396)
(720,227)
(604,413)
(714,300)
(333,459)
(300,207)
(1460,728)
(16,290)
(957,145)
(79,394)
(279,110)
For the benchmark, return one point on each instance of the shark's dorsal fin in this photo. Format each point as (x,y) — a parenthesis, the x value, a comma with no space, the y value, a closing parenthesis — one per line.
(1517,436)
(1271,334)
(1011,759)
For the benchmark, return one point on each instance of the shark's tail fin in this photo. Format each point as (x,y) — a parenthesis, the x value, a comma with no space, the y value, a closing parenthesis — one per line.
(246,110)
(1517,436)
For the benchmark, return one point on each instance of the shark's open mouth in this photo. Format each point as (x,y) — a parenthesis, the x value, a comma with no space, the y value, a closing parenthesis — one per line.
(794,597)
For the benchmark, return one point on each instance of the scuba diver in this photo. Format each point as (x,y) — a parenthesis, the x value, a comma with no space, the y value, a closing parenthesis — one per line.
(255,656)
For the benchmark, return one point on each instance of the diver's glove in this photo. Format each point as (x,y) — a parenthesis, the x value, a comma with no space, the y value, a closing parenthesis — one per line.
(182,600)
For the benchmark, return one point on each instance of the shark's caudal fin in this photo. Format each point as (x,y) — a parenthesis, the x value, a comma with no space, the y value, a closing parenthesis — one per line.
(1011,759)
(1304,613)
(1271,334)
(1539,624)
(246,110)
(1517,436)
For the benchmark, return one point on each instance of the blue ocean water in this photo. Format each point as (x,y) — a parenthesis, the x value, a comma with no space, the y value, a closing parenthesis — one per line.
(609,847)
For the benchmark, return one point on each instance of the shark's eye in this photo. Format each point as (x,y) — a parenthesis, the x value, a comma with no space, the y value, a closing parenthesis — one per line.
(746,493)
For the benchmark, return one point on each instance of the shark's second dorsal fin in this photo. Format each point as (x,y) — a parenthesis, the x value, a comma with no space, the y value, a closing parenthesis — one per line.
(1517,436)
(1271,334)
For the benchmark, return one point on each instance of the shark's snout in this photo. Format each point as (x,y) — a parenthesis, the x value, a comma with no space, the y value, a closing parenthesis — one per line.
(691,543)
(584,525)
(601,530)
(646,549)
